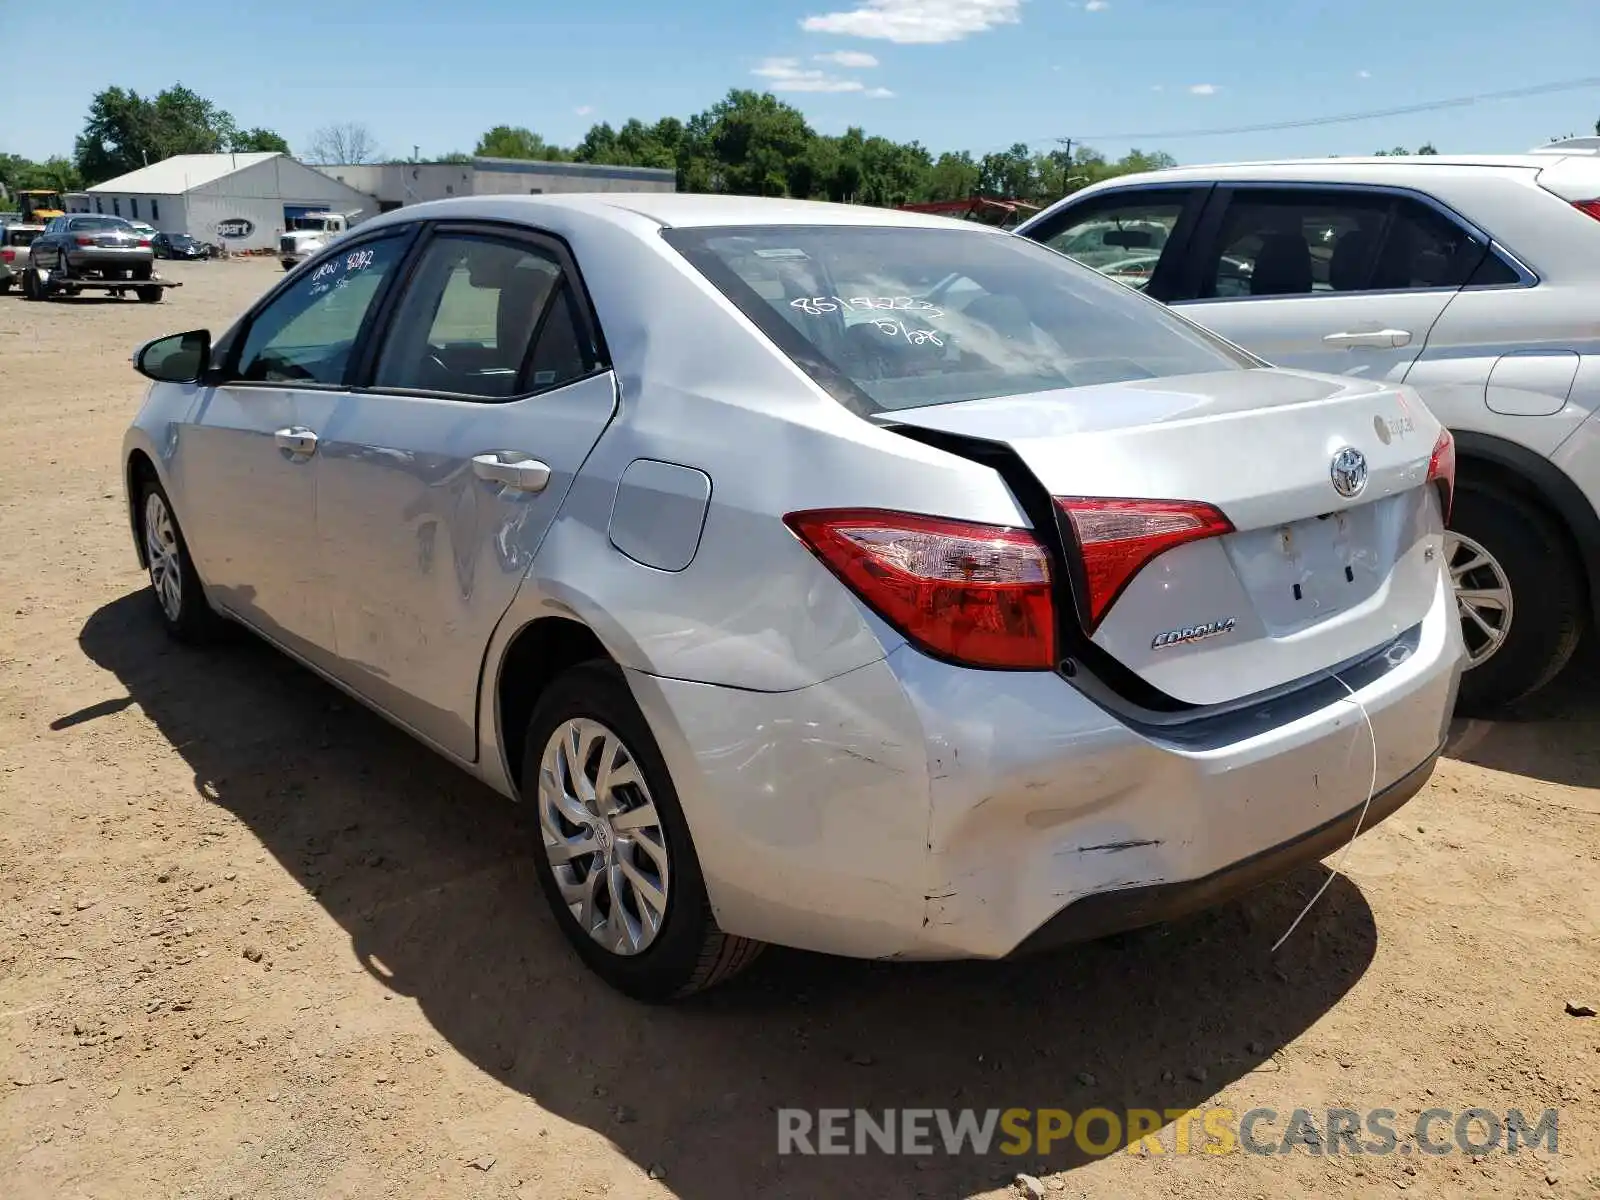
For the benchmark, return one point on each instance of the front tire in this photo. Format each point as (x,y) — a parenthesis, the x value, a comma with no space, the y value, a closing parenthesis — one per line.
(1520,594)
(615,857)
(180,598)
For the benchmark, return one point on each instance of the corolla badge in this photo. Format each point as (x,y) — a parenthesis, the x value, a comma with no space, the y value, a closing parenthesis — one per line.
(1349,472)
(1193,633)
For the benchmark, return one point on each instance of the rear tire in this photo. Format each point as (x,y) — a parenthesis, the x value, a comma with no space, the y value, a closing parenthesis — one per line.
(180,598)
(30,285)
(5,286)
(1545,618)
(684,951)
(150,294)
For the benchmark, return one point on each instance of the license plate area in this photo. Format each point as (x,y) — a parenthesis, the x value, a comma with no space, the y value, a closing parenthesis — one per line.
(1304,572)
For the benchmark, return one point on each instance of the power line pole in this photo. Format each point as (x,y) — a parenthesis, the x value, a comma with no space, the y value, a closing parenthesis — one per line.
(1066,169)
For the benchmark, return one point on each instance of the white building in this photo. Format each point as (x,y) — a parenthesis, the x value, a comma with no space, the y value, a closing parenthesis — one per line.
(243,200)
(401,183)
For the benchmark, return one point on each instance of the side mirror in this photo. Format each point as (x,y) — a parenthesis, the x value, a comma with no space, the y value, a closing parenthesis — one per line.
(178,358)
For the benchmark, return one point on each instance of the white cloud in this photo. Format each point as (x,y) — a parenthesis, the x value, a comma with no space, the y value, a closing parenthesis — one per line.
(854,59)
(1363,74)
(787,75)
(879,93)
(1096,6)
(583,110)
(917,22)
(1158,87)
(1203,89)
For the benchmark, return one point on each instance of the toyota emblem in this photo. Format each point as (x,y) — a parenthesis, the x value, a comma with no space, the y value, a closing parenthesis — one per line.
(1349,472)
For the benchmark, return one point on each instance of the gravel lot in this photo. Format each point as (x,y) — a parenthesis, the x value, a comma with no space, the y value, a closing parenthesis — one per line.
(255,943)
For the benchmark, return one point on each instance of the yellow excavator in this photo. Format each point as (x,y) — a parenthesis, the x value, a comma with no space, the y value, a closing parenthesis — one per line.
(39,205)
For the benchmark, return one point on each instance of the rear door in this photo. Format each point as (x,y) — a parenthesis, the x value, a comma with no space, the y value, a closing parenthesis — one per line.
(438,480)
(1135,235)
(1346,280)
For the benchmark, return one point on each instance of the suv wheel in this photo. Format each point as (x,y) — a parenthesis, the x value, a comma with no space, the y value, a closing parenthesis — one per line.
(1519,592)
(615,858)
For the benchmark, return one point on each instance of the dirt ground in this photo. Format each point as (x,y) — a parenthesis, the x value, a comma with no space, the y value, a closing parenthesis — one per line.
(256,943)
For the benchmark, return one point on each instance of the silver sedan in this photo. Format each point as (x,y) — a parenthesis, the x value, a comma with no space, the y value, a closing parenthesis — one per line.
(847,579)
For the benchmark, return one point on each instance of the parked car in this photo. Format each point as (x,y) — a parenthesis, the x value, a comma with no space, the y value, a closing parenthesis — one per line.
(84,245)
(1473,279)
(178,245)
(801,608)
(143,229)
(15,244)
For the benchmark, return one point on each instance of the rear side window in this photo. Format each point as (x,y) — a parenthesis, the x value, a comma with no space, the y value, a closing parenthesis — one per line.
(485,318)
(891,318)
(1304,242)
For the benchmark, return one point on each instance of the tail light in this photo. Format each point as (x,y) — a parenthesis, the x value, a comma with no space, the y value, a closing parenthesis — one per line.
(1588,207)
(83,240)
(1442,469)
(144,242)
(979,595)
(8,255)
(1119,538)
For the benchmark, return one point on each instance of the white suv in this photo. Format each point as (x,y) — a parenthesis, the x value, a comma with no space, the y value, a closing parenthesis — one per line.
(1474,279)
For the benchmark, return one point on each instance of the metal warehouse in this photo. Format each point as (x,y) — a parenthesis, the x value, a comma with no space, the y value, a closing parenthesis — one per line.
(400,183)
(243,200)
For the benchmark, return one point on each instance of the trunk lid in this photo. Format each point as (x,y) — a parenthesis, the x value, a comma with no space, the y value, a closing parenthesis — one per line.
(1307,579)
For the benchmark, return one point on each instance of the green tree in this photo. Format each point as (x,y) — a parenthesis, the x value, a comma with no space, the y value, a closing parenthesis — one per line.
(258,140)
(57,174)
(125,131)
(953,177)
(517,141)
(753,138)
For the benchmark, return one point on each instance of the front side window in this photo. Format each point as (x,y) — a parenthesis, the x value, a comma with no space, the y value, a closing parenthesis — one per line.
(1124,240)
(306,333)
(891,318)
(1306,242)
(471,317)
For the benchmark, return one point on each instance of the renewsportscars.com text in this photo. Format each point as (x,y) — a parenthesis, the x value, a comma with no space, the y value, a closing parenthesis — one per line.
(1102,1131)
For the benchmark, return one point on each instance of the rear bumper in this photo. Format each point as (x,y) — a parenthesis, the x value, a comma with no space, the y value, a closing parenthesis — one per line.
(99,258)
(1105,913)
(912,809)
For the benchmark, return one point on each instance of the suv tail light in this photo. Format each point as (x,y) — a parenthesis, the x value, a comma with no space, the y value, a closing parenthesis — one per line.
(1588,207)
(1442,469)
(979,595)
(1119,538)
(8,255)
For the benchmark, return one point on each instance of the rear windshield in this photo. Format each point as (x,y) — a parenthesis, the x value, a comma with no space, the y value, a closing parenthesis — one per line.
(890,318)
(21,237)
(99,223)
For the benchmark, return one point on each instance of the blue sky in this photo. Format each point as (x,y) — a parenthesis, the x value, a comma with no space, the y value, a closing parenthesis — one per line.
(954,74)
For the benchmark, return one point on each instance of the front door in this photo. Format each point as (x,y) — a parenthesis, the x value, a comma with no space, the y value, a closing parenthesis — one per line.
(246,463)
(439,480)
(1349,281)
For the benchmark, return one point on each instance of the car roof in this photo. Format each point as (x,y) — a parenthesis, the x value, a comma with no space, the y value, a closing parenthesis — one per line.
(1333,167)
(685,210)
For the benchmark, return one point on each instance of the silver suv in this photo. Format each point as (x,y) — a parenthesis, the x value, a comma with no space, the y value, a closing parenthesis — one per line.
(1474,279)
(15,241)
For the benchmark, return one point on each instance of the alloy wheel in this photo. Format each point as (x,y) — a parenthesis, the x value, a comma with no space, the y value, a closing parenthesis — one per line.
(161,548)
(603,837)
(1483,597)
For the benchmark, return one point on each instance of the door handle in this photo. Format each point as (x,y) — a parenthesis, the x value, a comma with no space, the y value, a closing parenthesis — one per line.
(1384,339)
(297,440)
(512,469)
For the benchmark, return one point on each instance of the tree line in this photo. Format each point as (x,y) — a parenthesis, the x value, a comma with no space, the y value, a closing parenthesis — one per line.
(748,143)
